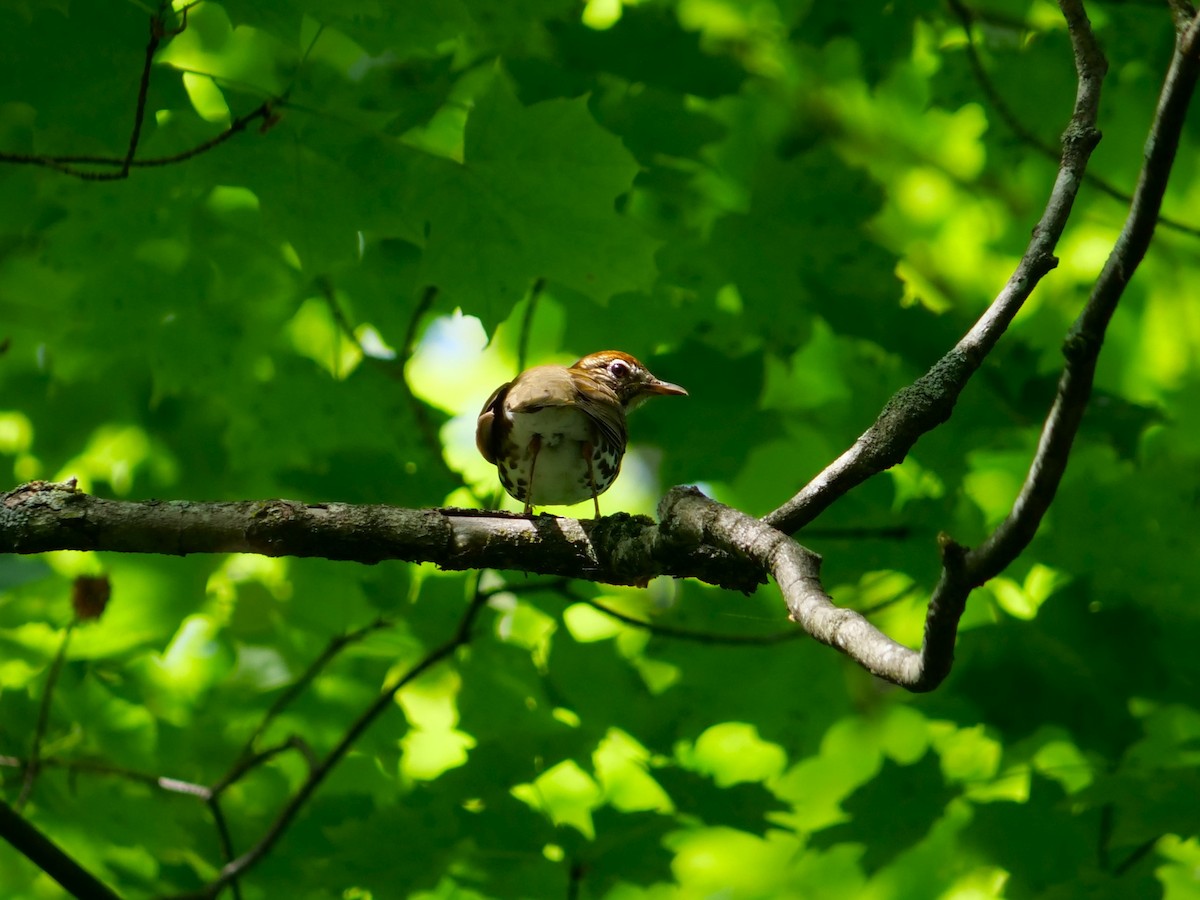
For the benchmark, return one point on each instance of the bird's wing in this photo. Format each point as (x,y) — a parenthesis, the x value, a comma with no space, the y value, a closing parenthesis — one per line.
(539,388)
(604,408)
(558,386)
(486,437)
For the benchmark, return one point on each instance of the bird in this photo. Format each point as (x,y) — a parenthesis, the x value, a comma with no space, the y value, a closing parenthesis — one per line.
(557,434)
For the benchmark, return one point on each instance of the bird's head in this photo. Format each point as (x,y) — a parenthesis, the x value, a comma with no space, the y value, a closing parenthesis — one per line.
(621,373)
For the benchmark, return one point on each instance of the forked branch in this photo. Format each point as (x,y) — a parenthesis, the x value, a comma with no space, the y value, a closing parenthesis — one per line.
(99,168)
(928,402)
(1083,343)
(690,517)
(797,569)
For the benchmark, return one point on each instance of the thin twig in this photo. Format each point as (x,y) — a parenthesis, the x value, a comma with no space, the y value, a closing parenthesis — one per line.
(96,767)
(247,758)
(420,412)
(345,328)
(156,35)
(67,164)
(264,111)
(1026,135)
(1136,855)
(383,702)
(685,634)
(34,763)
(226,841)
(535,294)
(64,164)
(250,760)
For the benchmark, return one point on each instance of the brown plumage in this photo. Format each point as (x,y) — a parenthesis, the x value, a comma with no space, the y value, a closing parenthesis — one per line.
(557,434)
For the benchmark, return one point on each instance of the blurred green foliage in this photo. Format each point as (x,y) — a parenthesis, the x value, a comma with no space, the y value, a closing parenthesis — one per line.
(790,207)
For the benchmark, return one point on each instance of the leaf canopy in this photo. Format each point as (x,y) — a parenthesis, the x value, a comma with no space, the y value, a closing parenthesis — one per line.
(792,209)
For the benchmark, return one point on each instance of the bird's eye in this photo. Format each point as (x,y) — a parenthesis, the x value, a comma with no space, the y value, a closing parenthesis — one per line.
(618,368)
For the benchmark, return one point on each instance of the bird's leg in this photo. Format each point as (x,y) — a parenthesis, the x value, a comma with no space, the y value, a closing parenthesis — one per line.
(535,444)
(588,455)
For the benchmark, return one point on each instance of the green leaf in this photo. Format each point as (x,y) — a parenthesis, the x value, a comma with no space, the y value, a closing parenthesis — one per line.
(533,197)
(917,789)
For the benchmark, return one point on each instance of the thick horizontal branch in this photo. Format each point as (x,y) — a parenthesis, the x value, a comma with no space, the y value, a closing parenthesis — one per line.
(619,549)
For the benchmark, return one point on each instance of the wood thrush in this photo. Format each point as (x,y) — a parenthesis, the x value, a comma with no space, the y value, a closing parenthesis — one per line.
(557,433)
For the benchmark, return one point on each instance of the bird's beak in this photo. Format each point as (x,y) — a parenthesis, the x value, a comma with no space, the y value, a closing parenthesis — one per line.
(655,386)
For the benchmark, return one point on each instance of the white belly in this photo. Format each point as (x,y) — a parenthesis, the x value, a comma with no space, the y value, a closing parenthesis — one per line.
(561,472)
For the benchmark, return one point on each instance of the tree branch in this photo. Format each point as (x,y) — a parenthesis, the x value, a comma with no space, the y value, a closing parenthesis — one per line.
(618,549)
(1025,135)
(1086,338)
(690,517)
(50,858)
(929,401)
(33,764)
(681,634)
(157,33)
(797,570)
(535,294)
(383,701)
(420,411)
(1182,12)
(69,164)
(248,757)
(98,767)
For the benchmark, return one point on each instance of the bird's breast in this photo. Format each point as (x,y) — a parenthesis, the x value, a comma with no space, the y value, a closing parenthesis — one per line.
(554,425)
